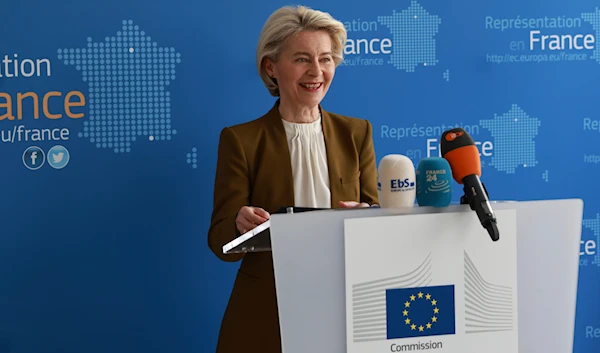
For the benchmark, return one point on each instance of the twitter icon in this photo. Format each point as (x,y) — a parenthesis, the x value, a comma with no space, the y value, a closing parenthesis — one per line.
(58,157)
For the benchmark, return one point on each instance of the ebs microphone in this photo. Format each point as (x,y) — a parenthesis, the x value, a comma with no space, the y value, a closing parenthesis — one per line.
(396,181)
(434,182)
(459,149)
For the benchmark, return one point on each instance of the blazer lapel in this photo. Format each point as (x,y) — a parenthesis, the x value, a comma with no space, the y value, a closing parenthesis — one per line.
(333,148)
(277,155)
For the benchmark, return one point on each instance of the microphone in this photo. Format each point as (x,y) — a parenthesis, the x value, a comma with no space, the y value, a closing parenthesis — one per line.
(459,149)
(396,181)
(434,182)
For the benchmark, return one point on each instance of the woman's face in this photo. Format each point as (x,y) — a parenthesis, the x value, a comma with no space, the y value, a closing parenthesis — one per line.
(305,68)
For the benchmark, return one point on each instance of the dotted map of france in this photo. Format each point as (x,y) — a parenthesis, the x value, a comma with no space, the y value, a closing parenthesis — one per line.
(127,76)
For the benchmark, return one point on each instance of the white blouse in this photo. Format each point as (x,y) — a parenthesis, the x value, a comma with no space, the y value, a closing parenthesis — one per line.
(306,143)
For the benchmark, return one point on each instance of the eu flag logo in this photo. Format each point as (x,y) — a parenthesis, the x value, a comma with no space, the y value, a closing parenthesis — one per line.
(421,311)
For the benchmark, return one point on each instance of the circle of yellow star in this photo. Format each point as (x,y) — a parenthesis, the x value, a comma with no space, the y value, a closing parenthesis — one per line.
(408,320)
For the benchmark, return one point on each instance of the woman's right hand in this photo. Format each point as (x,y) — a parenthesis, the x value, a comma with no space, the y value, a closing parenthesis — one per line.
(249,217)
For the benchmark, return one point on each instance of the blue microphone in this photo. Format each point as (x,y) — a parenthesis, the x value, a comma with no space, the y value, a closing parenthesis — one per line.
(434,182)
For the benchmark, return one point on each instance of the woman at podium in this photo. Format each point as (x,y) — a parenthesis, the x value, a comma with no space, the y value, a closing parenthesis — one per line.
(297,154)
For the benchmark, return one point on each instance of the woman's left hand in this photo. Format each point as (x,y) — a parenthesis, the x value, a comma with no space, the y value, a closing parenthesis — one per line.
(352,204)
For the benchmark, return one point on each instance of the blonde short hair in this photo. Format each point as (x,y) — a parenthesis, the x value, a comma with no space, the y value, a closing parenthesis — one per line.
(287,22)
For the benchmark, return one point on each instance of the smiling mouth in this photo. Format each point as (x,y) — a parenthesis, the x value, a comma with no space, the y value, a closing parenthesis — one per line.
(312,86)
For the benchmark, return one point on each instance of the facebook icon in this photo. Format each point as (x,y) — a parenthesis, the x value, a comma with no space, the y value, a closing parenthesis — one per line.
(34,158)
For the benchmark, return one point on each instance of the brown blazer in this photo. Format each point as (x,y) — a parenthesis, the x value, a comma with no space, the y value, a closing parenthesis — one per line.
(254,169)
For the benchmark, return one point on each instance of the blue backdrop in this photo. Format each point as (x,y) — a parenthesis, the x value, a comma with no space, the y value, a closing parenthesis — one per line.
(103,246)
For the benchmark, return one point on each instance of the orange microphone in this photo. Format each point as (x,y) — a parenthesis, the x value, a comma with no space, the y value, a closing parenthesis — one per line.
(459,149)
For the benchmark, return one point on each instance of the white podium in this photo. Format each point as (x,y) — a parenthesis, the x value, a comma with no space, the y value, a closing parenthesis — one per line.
(310,271)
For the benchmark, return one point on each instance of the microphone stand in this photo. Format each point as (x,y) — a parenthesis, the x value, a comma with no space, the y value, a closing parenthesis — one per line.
(484,212)
(464,201)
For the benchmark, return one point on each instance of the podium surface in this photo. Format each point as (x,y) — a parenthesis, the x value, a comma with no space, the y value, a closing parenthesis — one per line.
(309,262)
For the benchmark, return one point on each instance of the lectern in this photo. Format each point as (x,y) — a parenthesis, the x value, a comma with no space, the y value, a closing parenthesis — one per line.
(344,277)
